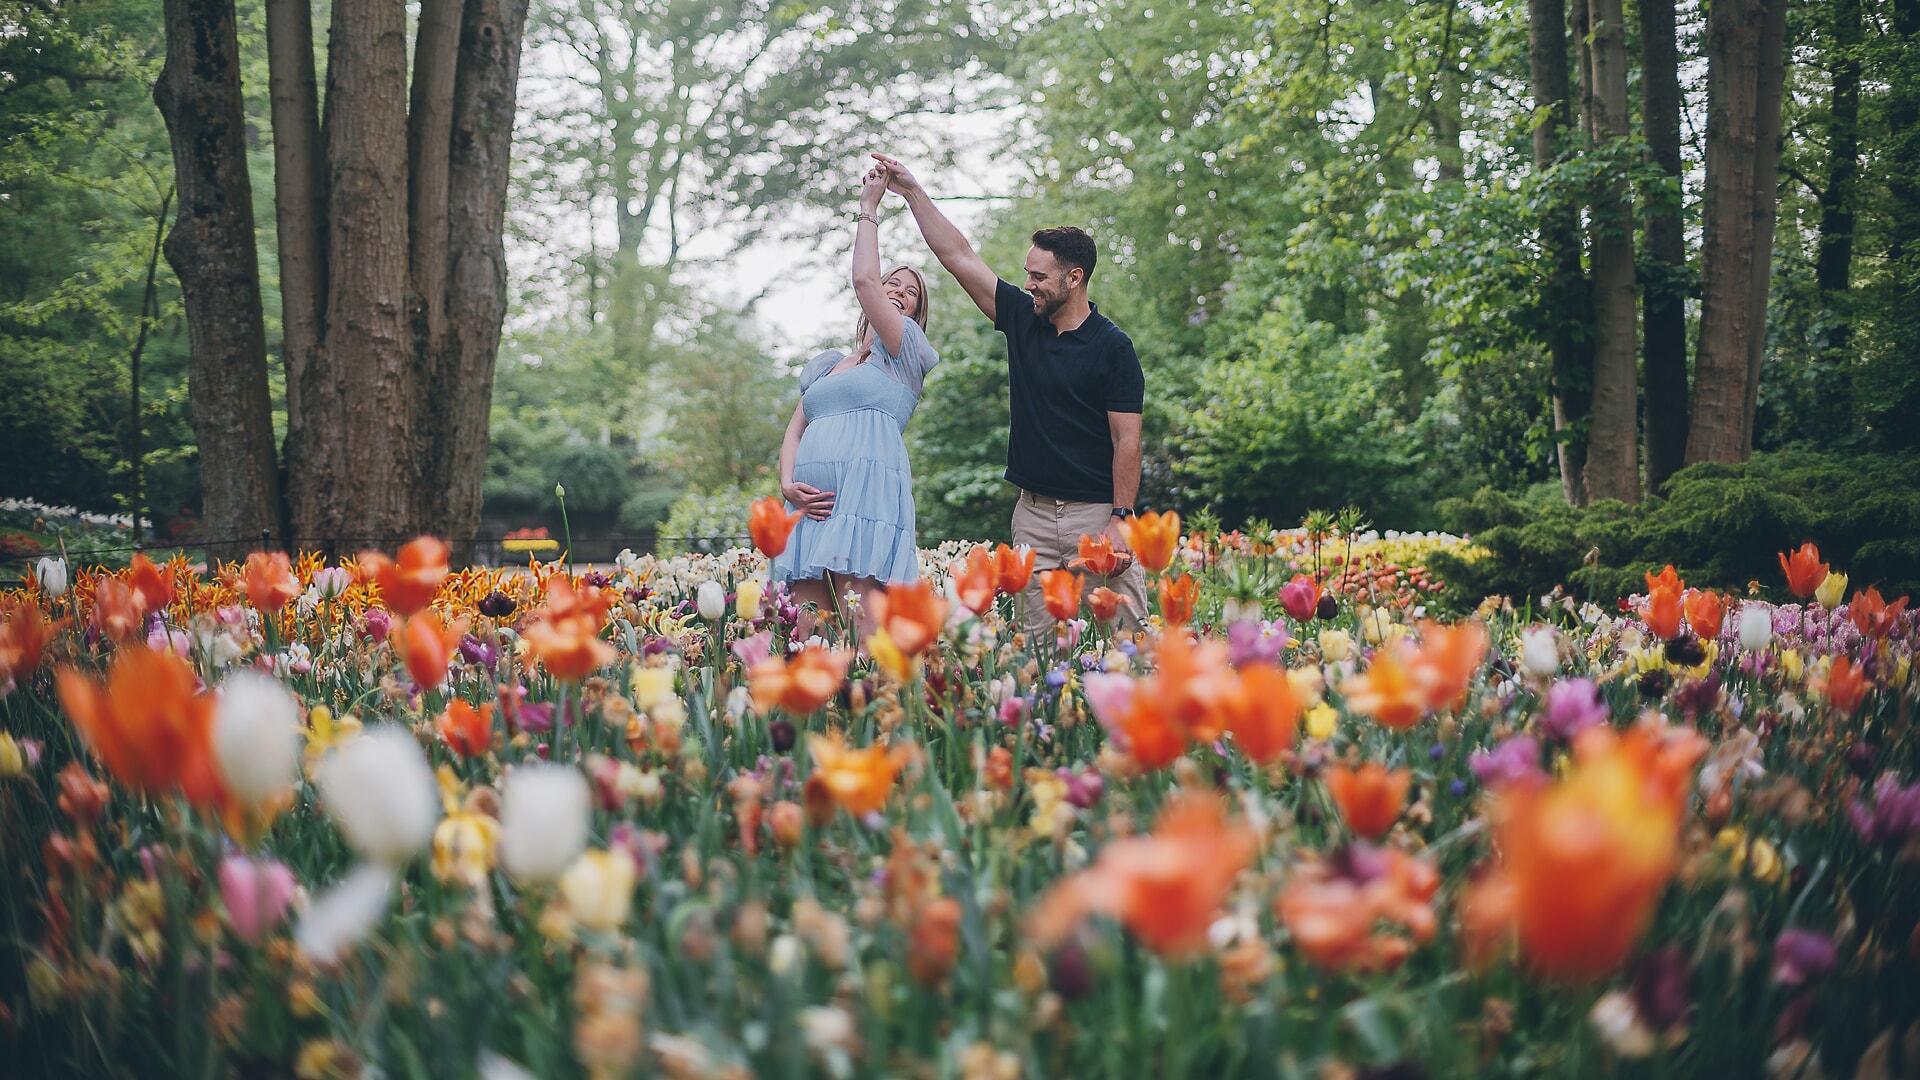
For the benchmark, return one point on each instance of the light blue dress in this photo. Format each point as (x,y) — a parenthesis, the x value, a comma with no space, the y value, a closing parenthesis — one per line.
(855,447)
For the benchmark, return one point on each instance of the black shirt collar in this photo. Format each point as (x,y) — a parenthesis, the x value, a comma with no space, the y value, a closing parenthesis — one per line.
(1092,325)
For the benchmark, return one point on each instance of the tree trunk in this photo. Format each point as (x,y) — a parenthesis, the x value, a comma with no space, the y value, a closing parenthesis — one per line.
(355,486)
(1664,267)
(1902,155)
(1613,450)
(1765,199)
(1736,232)
(429,129)
(1833,267)
(300,210)
(458,396)
(211,250)
(1564,300)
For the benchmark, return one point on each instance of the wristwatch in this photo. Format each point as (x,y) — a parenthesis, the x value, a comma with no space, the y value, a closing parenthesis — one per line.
(1123,511)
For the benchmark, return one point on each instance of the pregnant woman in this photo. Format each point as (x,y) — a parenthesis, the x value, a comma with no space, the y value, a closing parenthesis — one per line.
(843,463)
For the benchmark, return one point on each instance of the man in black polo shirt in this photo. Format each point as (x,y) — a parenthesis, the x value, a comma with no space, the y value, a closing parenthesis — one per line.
(1075,391)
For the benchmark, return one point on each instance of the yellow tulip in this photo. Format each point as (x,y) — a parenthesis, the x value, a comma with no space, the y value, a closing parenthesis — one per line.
(12,761)
(598,888)
(1832,590)
(746,599)
(463,847)
(1322,719)
(651,685)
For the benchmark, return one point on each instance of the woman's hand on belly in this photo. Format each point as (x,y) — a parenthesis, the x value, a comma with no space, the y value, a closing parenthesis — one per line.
(808,499)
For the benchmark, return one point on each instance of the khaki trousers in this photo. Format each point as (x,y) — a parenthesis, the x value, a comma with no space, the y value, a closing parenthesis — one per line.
(1053,528)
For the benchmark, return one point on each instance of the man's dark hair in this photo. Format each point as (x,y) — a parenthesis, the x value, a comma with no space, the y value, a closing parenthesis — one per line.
(1072,246)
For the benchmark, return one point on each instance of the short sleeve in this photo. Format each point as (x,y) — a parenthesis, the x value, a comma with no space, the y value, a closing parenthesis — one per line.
(819,366)
(916,358)
(1126,383)
(1012,307)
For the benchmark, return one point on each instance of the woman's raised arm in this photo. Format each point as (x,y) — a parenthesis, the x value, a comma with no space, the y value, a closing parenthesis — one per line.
(887,321)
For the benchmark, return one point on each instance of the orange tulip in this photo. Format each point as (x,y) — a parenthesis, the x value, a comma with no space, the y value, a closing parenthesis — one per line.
(1166,888)
(269,581)
(1195,683)
(1845,686)
(117,611)
(1663,603)
(409,585)
(469,731)
(1177,596)
(1012,568)
(24,635)
(800,685)
(155,586)
(1332,909)
(1388,692)
(975,583)
(1804,570)
(149,725)
(566,602)
(1874,616)
(770,525)
(933,945)
(1096,555)
(1705,612)
(1263,713)
(1062,591)
(1153,537)
(912,615)
(858,780)
(1370,797)
(569,648)
(427,646)
(1588,857)
(1105,603)
(1150,729)
(1449,657)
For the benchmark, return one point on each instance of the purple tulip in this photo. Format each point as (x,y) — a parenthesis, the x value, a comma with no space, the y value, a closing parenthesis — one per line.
(1894,816)
(537,719)
(377,623)
(1252,642)
(1572,707)
(475,651)
(1516,760)
(1802,955)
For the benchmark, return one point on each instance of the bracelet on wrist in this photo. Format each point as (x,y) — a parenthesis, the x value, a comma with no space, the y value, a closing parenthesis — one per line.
(865,216)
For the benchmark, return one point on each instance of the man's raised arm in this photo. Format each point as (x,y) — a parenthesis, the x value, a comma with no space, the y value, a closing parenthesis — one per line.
(946,241)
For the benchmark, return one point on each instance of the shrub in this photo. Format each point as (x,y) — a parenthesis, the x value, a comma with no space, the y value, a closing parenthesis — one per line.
(1722,526)
(712,521)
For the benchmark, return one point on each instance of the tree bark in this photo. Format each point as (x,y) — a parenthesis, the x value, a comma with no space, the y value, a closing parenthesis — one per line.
(458,395)
(429,128)
(1764,202)
(1833,267)
(300,211)
(1664,267)
(1565,303)
(1732,326)
(1613,451)
(211,250)
(355,486)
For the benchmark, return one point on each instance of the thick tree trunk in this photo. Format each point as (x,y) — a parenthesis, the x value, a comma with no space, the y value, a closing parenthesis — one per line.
(300,210)
(429,127)
(1664,264)
(1613,445)
(1565,303)
(1833,267)
(1764,203)
(1732,325)
(458,396)
(355,486)
(211,250)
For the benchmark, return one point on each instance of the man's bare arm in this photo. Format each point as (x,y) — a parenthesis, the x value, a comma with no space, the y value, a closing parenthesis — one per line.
(944,239)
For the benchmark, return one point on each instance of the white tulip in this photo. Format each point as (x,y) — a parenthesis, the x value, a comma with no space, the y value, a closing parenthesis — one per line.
(340,917)
(52,574)
(1540,652)
(256,737)
(544,813)
(1756,627)
(381,792)
(711,599)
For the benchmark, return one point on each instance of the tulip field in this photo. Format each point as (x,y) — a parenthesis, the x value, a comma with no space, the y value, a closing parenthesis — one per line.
(375,817)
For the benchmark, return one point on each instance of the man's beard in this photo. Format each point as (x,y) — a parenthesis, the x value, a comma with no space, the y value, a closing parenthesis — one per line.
(1048,307)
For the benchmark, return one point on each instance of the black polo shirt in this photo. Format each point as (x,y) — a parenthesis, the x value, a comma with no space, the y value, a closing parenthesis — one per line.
(1061,388)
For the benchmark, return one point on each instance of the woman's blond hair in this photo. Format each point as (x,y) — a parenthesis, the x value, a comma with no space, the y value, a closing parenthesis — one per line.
(918,314)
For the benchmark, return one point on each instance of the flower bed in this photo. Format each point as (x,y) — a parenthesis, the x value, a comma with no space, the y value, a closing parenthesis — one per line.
(291,818)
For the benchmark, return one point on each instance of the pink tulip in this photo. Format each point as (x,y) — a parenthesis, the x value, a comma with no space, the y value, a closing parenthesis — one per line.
(256,895)
(1300,597)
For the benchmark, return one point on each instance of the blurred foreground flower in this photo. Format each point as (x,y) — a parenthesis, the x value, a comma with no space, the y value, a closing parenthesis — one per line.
(409,585)
(1586,859)
(255,894)
(545,810)
(858,780)
(1165,888)
(1370,798)
(800,685)
(770,525)
(149,724)
(339,918)
(1333,907)
(1153,537)
(269,581)
(379,789)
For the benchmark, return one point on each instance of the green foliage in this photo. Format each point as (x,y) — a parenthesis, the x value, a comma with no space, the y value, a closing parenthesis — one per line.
(958,438)
(712,521)
(1722,526)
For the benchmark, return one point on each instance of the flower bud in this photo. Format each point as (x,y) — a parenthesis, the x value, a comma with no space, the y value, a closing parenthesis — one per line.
(51,572)
(544,814)
(1832,590)
(1756,628)
(256,737)
(711,600)
(1539,652)
(599,889)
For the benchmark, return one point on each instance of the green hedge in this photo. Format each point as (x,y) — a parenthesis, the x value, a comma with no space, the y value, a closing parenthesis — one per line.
(1722,526)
